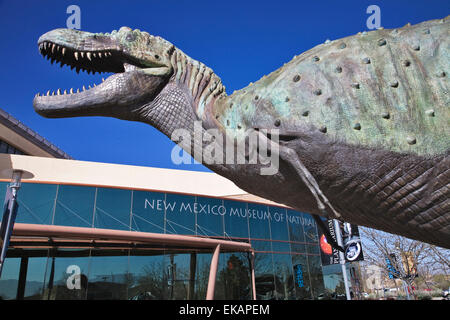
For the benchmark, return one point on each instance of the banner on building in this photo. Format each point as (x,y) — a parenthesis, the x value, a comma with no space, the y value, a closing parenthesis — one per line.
(350,238)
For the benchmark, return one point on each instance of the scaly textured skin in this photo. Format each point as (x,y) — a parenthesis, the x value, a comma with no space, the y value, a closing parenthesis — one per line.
(367,115)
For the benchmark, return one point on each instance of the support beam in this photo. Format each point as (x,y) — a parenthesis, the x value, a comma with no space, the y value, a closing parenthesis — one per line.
(192,269)
(212,274)
(22,278)
(252,266)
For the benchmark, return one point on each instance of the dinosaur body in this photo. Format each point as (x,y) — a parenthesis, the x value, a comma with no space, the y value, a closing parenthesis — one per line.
(363,121)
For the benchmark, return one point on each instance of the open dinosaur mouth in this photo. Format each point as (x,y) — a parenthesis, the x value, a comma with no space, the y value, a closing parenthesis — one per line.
(108,61)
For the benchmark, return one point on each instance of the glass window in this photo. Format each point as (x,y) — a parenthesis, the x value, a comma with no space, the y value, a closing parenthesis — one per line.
(180,214)
(279,230)
(108,277)
(284,284)
(296,233)
(74,206)
(316,276)
(235,220)
(35,278)
(233,277)
(10,279)
(265,280)
(279,224)
(309,228)
(3,147)
(302,289)
(178,274)
(147,276)
(203,264)
(259,219)
(113,208)
(36,203)
(66,276)
(210,215)
(148,211)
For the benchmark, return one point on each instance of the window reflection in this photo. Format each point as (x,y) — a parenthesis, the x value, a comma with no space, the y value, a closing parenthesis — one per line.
(148,211)
(283,240)
(235,220)
(113,209)
(210,215)
(74,206)
(36,203)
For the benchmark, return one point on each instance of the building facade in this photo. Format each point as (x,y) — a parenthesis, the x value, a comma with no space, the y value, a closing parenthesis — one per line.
(71,193)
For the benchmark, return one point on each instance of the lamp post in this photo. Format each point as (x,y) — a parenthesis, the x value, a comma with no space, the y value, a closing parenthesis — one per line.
(9,214)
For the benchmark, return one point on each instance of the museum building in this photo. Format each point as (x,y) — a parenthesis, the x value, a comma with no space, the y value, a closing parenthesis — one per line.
(89,230)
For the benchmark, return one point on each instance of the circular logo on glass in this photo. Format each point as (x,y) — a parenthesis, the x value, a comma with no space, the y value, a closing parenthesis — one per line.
(353,250)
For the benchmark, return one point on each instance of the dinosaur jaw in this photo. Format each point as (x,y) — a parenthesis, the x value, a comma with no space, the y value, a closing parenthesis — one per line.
(131,85)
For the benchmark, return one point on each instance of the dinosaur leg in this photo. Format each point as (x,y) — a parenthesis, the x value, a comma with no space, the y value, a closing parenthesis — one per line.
(290,156)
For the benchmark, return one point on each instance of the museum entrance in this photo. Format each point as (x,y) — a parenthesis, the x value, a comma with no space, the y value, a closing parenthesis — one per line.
(67,267)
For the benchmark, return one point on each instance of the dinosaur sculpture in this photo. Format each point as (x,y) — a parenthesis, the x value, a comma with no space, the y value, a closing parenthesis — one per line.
(362,122)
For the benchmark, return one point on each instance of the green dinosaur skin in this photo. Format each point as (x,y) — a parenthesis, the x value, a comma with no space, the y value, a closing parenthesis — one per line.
(367,115)
(374,80)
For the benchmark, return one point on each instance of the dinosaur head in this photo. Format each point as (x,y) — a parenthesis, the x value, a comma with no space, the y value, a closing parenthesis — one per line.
(140,63)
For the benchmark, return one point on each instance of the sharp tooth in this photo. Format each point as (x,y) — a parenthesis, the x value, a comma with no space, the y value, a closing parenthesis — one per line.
(53,93)
(58,92)
(65,91)
(99,54)
(94,55)
(84,88)
(45,45)
(53,48)
(82,54)
(48,93)
(71,90)
(89,87)
(89,56)
(78,90)
(63,51)
(95,85)
(76,55)
(103,79)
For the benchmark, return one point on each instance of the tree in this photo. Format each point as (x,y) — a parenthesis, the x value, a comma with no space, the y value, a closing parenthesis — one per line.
(415,258)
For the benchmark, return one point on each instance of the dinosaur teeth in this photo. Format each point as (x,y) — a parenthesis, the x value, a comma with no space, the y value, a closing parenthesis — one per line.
(76,56)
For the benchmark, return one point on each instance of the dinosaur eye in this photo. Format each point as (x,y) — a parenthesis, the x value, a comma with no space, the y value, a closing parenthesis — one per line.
(156,57)
(131,37)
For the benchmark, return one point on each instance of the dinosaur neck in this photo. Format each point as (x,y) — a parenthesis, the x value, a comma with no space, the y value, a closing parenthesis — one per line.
(203,85)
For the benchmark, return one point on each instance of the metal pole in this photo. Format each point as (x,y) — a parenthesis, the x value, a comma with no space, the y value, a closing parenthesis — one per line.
(337,231)
(9,215)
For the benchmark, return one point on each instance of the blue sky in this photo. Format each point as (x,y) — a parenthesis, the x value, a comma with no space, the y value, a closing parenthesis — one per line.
(240,40)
